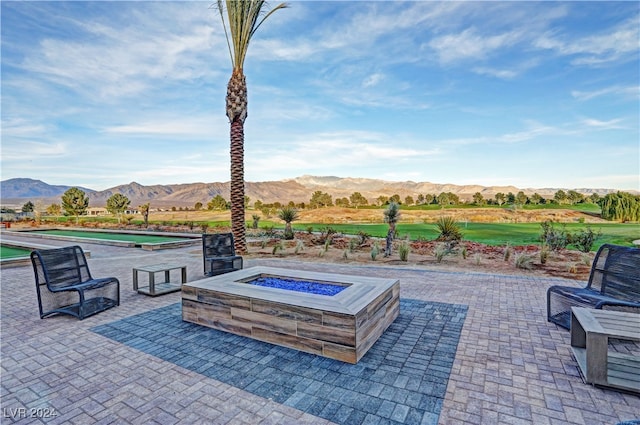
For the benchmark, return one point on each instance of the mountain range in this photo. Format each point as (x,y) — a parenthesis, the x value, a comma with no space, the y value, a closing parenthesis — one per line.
(300,189)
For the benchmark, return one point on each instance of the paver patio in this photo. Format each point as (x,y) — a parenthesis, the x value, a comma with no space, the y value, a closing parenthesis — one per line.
(511,366)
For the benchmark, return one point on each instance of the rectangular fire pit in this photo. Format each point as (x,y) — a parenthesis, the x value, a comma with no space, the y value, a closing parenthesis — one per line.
(341,326)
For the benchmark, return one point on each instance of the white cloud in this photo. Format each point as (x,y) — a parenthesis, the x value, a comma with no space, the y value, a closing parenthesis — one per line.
(469,44)
(603,125)
(626,91)
(373,80)
(203,127)
(113,61)
(33,151)
(505,74)
(620,43)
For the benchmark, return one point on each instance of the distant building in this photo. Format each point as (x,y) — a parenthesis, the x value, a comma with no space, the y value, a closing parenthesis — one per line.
(97,211)
(101,211)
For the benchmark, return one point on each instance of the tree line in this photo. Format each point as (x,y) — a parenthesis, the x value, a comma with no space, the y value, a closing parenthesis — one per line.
(619,206)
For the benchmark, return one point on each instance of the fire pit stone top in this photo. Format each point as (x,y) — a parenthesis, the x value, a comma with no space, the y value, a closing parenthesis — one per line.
(361,290)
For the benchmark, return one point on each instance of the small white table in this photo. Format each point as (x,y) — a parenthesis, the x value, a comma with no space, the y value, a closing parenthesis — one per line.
(590,333)
(159,288)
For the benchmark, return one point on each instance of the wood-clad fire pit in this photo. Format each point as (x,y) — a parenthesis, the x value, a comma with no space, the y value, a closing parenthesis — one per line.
(341,326)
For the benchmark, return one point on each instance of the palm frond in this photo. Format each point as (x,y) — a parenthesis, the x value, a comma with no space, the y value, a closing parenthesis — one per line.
(244,18)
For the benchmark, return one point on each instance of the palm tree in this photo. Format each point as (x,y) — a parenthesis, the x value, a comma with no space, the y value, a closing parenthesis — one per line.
(244,18)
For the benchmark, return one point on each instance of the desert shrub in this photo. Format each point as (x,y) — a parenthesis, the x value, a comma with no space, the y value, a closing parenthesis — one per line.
(555,239)
(586,259)
(441,251)
(477,258)
(403,250)
(464,252)
(449,229)
(256,220)
(363,237)
(269,230)
(524,261)
(309,229)
(544,254)
(327,243)
(299,247)
(345,254)
(353,244)
(326,234)
(277,247)
(375,250)
(507,252)
(204,227)
(584,239)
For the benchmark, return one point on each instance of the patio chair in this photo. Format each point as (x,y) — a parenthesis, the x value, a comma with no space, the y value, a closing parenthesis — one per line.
(614,284)
(65,286)
(219,255)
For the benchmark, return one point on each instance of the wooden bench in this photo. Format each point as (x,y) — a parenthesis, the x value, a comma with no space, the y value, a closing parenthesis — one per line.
(614,284)
(65,286)
(590,333)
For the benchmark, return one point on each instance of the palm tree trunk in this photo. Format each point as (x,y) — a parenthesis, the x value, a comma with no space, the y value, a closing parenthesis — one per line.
(237,186)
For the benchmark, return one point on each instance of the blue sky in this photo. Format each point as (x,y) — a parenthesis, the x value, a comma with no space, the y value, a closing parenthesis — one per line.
(535,95)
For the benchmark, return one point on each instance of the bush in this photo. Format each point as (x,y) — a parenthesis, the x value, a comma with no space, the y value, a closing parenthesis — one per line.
(440,251)
(555,239)
(584,239)
(507,252)
(524,261)
(375,250)
(449,229)
(277,247)
(326,234)
(353,244)
(403,251)
(544,254)
(363,237)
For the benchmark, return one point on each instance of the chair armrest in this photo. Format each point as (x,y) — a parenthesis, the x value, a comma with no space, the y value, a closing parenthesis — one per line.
(617,303)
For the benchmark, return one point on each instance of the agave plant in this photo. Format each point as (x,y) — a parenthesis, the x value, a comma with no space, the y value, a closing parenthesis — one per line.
(449,229)
(288,215)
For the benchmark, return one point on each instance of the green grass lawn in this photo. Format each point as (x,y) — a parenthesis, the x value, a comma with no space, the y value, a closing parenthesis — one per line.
(492,233)
(13,252)
(139,239)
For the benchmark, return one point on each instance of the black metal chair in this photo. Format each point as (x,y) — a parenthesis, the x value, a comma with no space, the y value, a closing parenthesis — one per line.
(614,284)
(219,255)
(65,286)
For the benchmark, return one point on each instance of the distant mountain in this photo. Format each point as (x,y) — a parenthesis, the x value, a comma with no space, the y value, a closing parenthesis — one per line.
(300,189)
(29,188)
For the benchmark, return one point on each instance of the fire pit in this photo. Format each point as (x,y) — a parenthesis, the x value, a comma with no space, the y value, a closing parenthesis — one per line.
(342,326)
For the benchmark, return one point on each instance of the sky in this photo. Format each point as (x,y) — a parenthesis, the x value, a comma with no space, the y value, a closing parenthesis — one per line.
(530,94)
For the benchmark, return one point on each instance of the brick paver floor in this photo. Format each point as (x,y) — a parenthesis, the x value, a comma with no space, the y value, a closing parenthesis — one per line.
(511,366)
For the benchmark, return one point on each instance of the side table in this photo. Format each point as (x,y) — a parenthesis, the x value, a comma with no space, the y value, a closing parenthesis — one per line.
(590,333)
(159,288)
